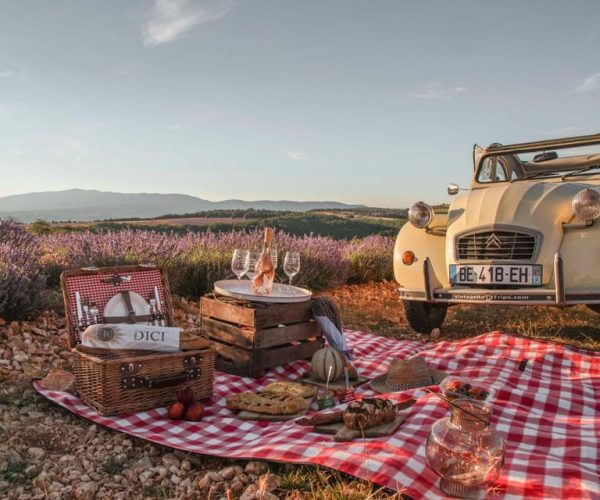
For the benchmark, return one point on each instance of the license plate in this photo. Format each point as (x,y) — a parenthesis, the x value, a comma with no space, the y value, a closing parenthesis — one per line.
(481,274)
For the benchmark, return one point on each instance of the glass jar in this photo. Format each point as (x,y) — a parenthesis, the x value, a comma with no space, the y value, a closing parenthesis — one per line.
(325,399)
(464,451)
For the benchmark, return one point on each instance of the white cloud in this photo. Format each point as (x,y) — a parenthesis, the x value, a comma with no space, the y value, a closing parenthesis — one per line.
(174,127)
(590,84)
(170,19)
(12,73)
(16,151)
(71,148)
(437,91)
(298,155)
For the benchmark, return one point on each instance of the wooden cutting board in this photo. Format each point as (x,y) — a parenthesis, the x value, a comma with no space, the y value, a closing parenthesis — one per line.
(341,433)
(250,415)
(338,385)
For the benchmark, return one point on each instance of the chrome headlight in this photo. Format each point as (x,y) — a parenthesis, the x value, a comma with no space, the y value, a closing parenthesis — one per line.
(420,215)
(586,204)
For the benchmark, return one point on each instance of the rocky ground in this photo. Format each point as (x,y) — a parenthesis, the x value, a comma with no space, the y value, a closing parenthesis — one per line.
(45,452)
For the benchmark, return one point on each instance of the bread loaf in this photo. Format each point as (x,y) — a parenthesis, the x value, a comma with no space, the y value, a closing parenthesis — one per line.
(188,340)
(291,389)
(369,412)
(272,404)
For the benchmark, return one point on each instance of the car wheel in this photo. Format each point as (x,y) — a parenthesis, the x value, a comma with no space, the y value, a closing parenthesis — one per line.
(594,307)
(423,316)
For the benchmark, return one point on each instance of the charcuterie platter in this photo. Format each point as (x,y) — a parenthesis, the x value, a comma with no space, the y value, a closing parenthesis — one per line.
(372,417)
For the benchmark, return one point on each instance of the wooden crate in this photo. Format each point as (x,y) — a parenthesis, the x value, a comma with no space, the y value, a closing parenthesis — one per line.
(251,337)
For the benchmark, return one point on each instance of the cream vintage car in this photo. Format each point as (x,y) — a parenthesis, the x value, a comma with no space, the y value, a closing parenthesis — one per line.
(524,233)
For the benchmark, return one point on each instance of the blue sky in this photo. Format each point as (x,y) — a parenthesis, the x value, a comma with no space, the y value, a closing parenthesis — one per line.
(375,102)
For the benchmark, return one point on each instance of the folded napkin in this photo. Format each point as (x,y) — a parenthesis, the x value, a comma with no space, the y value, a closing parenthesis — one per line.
(327,315)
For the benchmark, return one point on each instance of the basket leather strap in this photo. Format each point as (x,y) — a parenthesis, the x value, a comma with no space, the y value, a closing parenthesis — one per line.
(133,380)
(126,319)
(140,382)
(127,298)
(172,381)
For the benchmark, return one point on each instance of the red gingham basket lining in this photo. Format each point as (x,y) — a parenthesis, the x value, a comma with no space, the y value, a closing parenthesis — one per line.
(92,289)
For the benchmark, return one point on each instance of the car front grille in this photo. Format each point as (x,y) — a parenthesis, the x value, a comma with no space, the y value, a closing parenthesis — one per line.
(496,245)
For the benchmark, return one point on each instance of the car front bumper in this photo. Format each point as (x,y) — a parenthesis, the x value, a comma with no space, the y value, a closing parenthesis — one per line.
(553,295)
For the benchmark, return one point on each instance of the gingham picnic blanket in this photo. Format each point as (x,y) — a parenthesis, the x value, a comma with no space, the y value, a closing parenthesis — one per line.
(548,414)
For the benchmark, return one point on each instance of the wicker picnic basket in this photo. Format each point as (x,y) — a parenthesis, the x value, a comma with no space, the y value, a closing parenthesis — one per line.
(116,382)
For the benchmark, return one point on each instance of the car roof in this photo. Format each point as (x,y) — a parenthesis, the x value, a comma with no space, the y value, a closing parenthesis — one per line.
(514,152)
(549,144)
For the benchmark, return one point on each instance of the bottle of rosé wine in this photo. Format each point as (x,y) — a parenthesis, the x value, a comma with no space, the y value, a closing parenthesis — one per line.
(264,272)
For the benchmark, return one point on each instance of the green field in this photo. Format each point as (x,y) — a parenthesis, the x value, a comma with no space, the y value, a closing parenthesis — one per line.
(338,224)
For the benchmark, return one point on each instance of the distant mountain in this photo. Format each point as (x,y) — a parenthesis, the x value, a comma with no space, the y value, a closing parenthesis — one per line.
(88,205)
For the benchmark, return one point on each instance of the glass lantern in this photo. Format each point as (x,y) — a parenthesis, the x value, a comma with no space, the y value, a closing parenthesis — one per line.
(464,451)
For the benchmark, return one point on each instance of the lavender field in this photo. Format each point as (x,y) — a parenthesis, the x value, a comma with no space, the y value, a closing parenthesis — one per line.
(29,264)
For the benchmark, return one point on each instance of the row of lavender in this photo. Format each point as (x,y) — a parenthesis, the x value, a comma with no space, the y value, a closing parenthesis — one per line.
(29,263)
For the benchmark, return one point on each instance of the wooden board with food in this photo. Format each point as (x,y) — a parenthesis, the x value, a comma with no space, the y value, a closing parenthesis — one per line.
(341,433)
(334,385)
(370,417)
(278,401)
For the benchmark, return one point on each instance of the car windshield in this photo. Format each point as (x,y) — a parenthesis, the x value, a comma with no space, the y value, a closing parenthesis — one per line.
(563,163)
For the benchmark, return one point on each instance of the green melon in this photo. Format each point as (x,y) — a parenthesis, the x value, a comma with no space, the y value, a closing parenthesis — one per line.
(325,358)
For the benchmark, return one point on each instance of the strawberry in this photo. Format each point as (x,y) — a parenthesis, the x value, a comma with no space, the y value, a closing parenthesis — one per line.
(475,392)
(453,386)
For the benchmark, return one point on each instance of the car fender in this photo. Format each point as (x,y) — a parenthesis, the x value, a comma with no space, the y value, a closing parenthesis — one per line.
(424,243)
(581,257)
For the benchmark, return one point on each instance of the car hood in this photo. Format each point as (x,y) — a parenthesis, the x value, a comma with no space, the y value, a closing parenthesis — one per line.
(541,206)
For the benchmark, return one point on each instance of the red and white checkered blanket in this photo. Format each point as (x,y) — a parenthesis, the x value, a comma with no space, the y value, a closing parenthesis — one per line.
(549,415)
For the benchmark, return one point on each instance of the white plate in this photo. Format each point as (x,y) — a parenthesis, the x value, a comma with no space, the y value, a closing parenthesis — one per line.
(280,292)
(116,307)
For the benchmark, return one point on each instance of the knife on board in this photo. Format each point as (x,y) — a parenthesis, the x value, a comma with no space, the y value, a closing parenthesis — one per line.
(79,310)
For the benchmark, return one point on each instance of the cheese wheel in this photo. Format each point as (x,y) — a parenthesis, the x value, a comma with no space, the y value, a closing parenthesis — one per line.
(325,358)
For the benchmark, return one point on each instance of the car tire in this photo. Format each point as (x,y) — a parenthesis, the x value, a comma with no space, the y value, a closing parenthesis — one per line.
(423,317)
(594,307)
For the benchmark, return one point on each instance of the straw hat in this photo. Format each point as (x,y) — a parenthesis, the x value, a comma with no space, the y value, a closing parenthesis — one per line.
(405,374)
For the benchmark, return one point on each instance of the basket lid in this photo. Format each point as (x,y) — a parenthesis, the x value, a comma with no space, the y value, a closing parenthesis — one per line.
(87,291)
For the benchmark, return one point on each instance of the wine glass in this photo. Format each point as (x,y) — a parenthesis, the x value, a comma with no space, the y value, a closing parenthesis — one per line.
(274,257)
(291,264)
(252,260)
(239,263)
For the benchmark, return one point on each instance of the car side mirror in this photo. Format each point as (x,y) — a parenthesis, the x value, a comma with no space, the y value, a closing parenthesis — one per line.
(452,189)
(545,156)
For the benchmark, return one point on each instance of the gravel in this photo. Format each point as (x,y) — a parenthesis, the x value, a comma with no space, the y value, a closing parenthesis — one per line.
(45,452)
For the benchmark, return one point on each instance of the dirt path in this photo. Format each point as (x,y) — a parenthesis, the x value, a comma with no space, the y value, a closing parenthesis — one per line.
(376,308)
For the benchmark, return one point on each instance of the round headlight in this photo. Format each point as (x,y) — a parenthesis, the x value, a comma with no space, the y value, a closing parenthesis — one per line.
(586,204)
(420,214)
